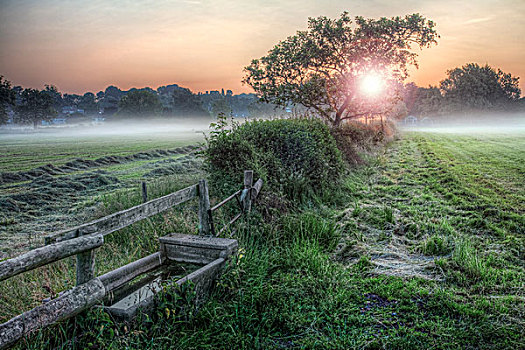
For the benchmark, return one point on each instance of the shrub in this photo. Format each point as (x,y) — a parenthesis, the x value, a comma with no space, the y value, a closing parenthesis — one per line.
(295,157)
(354,136)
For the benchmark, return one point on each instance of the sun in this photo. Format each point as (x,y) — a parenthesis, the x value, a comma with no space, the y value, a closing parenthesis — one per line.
(372,84)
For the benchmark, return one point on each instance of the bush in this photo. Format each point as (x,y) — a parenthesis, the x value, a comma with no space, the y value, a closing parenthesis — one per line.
(296,158)
(353,136)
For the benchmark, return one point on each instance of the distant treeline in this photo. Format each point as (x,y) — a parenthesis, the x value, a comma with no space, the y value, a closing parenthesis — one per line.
(471,89)
(33,106)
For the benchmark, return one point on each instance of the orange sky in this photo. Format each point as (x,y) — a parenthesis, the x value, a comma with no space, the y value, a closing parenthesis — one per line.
(84,46)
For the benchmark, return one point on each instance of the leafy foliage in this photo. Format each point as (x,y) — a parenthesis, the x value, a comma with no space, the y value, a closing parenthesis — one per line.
(7,97)
(88,103)
(35,106)
(479,87)
(471,88)
(187,104)
(294,157)
(139,102)
(321,68)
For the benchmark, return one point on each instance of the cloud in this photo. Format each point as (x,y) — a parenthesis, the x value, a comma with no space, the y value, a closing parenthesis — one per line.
(478,20)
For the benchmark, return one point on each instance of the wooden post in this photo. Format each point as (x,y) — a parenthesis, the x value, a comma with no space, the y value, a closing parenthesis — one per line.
(144,192)
(204,206)
(248,182)
(85,265)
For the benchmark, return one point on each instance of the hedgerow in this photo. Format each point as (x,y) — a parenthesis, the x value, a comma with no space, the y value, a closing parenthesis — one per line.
(296,158)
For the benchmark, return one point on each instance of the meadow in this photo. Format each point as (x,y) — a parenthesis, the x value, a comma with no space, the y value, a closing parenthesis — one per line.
(52,179)
(421,247)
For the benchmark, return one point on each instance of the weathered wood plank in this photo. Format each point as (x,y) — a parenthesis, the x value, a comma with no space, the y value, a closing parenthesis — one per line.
(121,219)
(256,189)
(144,192)
(204,206)
(47,254)
(116,278)
(67,305)
(85,266)
(196,249)
(248,181)
(202,279)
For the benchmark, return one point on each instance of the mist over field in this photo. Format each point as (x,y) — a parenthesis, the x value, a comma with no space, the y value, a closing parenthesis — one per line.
(495,123)
(125,127)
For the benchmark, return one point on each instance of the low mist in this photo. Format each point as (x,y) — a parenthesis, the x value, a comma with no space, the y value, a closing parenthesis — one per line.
(120,129)
(497,123)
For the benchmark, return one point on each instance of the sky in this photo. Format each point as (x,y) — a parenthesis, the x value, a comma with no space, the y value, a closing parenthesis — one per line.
(204,45)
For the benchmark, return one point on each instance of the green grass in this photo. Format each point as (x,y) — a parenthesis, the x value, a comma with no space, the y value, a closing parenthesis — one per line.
(422,248)
(35,204)
(25,151)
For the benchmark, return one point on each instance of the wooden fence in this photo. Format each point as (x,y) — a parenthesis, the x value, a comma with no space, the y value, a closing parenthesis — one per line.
(82,241)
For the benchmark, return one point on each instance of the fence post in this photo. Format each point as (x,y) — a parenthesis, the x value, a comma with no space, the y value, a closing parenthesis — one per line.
(204,206)
(248,183)
(85,265)
(144,192)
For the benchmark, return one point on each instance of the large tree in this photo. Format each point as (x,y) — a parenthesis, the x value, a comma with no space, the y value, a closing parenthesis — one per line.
(323,67)
(139,103)
(7,97)
(88,103)
(475,87)
(35,106)
(427,102)
(187,104)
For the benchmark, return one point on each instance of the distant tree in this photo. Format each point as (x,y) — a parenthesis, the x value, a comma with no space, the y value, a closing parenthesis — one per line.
(475,87)
(139,103)
(220,106)
(259,109)
(35,106)
(187,104)
(71,100)
(88,103)
(7,97)
(56,96)
(427,102)
(322,68)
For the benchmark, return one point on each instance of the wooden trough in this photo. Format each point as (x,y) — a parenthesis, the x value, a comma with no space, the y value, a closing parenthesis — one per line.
(208,251)
(117,291)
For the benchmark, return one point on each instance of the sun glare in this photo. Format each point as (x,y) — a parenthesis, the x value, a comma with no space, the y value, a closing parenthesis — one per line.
(372,84)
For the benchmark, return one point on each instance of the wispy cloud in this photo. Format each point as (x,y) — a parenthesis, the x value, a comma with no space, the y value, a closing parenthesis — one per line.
(478,20)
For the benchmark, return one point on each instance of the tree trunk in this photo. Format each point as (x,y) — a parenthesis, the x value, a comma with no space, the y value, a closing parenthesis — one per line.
(35,123)
(337,121)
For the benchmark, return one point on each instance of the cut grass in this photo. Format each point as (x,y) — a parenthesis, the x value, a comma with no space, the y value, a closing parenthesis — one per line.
(61,196)
(21,152)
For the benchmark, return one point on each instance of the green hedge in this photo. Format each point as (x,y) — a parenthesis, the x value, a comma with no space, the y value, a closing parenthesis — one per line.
(295,157)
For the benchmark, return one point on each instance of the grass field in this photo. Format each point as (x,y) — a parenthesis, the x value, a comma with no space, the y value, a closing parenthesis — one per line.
(28,150)
(422,248)
(53,179)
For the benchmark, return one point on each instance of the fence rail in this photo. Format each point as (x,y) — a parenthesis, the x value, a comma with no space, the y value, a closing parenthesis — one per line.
(82,240)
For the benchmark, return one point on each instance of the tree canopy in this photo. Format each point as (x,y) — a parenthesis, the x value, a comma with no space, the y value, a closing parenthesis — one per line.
(186,104)
(139,103)
(7,97)
(36,106)
(475,87)
(322,68)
